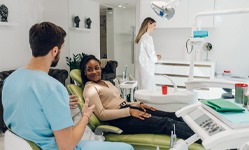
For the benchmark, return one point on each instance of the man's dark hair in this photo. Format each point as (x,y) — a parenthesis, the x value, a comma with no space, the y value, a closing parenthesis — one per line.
(83,63)
(44,36)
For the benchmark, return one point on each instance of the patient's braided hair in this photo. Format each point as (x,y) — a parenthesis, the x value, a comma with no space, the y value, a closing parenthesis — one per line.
(83,63)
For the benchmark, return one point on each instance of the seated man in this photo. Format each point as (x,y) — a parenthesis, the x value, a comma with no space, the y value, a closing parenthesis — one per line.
(36,106)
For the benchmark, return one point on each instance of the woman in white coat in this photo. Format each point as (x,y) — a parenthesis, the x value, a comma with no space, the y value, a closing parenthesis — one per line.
(145,56)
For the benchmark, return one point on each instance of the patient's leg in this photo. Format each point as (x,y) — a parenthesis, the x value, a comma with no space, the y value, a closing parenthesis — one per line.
(154,124)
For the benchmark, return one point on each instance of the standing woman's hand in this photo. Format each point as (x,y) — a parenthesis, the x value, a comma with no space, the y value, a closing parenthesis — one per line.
(158,56)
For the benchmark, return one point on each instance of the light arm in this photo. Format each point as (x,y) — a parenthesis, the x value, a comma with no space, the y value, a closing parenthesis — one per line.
(210,13)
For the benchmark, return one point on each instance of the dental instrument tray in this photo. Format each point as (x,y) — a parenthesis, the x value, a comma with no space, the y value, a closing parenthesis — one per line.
(217,130)
(222,105)
(231,113)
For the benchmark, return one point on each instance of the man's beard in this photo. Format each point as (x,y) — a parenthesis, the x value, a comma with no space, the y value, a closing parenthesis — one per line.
(56,60)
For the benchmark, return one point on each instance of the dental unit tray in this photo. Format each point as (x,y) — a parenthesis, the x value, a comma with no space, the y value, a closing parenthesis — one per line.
(217,130)
(222,105)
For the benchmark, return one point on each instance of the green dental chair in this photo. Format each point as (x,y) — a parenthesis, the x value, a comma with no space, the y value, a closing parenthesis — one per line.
(114,134)
(13,141)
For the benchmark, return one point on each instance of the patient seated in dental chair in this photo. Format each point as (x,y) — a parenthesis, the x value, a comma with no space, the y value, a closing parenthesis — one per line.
(133,117)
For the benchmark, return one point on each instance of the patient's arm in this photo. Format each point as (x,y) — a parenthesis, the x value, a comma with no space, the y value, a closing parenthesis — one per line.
(144,107)
(102,113)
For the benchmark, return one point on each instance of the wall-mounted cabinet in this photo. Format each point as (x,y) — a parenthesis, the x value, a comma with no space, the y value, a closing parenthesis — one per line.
(184,13)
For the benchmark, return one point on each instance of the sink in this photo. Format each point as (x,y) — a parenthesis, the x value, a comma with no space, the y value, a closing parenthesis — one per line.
(170,102)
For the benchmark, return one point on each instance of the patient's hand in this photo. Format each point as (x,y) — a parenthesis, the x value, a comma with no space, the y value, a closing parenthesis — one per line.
(144,107)
(73,101)
(87,110)
(139,114)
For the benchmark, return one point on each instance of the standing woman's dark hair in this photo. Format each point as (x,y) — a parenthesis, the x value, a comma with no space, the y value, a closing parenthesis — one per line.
(83,63)
(143,28)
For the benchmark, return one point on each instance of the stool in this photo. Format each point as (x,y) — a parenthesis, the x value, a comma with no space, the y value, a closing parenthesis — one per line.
(128,85)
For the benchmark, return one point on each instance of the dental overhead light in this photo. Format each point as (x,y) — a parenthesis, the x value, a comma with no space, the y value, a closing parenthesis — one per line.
(163,9)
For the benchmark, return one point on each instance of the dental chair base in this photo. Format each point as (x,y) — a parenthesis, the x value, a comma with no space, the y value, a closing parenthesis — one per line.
(170,102)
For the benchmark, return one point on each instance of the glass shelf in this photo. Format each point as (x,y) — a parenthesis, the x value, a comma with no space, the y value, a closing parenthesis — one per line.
(10,24)
(80,29)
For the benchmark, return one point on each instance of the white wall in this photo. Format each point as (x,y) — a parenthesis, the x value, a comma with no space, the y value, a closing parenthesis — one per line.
(229,38)
(110,35)
(14,45)
(84,41)
(15,51)
(59,16)
(124,21)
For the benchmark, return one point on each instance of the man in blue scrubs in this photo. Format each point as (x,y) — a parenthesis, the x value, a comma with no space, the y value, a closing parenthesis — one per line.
(36,106)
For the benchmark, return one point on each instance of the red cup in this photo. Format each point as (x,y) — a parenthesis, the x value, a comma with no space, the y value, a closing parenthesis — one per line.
(164,89)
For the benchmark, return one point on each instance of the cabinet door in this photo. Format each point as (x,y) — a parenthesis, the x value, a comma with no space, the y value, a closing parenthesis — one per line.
(179,20)
(196,6)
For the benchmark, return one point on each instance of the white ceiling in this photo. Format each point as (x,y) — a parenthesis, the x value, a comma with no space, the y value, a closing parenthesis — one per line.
(104,4)
(116,3)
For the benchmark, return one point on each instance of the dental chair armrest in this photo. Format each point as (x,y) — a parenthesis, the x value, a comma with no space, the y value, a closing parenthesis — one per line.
(222,83)
(100,130)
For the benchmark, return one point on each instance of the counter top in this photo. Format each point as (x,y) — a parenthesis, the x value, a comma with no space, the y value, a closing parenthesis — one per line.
(185,62)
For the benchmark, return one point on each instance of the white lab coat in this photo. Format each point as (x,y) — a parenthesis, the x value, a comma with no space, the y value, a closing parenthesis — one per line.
(145,63)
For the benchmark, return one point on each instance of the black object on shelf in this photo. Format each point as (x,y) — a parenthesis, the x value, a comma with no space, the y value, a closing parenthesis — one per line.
(4,13)
(88,23)
(77,21)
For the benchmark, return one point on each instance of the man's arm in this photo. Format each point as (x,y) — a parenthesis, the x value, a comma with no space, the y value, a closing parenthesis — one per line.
(68,138)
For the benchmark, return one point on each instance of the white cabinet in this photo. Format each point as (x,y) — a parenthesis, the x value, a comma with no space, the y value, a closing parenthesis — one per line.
(184,13)
(178,71)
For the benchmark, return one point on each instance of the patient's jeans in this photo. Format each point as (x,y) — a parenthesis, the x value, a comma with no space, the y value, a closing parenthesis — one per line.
(160,122)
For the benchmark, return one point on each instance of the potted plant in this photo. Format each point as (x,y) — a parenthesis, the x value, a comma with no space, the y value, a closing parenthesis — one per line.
(74,62)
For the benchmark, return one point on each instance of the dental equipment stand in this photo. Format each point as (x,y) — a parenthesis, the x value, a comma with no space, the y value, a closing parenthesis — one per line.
(216,130)
(197,41)
(222,136)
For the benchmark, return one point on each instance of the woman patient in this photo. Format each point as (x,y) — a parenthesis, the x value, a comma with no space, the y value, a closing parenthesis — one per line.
(132,117)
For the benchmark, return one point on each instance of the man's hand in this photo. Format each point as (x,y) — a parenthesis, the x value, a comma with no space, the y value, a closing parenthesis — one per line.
(87,111)
(144,107)
(158,56)
(139,114)
(73,101)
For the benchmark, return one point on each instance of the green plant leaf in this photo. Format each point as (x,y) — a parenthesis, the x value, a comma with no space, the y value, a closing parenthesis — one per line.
(74,62)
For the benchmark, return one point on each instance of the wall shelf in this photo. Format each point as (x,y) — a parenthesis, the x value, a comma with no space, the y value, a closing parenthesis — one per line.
(10,24)
(80,29)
